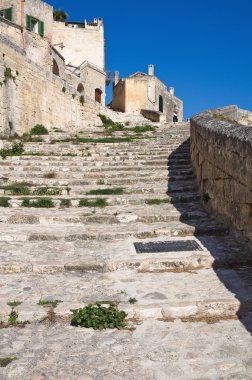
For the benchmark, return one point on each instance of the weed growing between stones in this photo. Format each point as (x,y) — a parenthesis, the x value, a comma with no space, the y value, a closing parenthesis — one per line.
(50,175)
(132,300)
(113,191)
(49,303)
(39,129)
(19,188)
(7,360)
(100,316)
(157,201)
(221,117)
(48,191)
(100,182)
(39,203)
(13,321)
(82,100)
(93,203)
(143,128)
(65,203)
(14,303)
(8,75)
(4,202)
(17,149)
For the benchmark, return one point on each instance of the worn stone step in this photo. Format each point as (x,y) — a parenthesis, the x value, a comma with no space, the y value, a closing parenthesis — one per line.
(98,232)
(78,179)
(112,200)
(109,215)
(220,294)
(91,257)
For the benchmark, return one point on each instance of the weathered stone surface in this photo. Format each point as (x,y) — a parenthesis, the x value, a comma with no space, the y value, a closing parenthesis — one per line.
(221,154)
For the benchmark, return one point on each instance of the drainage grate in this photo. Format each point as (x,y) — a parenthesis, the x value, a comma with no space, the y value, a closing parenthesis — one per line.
(167,246)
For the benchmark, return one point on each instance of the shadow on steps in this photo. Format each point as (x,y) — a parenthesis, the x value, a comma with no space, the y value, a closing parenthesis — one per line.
(232,259)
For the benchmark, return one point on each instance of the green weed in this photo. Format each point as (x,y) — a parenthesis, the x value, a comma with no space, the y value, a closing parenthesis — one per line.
(99,317)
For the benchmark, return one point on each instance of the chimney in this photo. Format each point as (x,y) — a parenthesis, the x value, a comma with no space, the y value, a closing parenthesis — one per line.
(172,90)
(151,70)
(116,77)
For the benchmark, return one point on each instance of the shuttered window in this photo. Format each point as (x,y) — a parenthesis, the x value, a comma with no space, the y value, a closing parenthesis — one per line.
(28,22)
(35,25)
(6,13)
(41,28)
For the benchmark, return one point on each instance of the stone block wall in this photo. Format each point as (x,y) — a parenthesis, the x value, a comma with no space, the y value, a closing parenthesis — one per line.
(221,153)
(35,96)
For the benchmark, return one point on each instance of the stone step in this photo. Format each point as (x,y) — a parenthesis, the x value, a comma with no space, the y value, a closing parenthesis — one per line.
(96,178)
(109,215)
(24,233)
(98,162)
(91,257)
(202,295)
(112,200)
(161,188)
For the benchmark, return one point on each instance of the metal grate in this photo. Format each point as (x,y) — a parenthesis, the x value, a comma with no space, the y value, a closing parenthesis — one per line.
(167,246)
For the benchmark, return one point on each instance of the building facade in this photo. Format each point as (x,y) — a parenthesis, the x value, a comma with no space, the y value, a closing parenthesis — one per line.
(145,94)
(65,48)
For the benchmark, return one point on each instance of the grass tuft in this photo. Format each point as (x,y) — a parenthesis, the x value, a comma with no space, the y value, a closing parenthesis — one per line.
(113,191)
(93,203)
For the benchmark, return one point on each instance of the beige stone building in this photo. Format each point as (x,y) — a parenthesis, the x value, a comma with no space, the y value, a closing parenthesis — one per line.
(145,94)
(74,51)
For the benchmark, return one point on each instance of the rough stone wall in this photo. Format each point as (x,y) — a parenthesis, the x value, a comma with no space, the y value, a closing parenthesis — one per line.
(136,96)
(35,96)
(118,101)
(137,93)
(80,44)
(92,78)
(35,8)
(221,153)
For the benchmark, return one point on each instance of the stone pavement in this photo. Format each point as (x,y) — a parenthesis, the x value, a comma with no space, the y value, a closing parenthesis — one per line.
(193,315)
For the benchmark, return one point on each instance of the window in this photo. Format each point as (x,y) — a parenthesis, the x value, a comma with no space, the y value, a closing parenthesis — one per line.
(35,25)
(55,68)
(98,94)
(161,104)
(6,13)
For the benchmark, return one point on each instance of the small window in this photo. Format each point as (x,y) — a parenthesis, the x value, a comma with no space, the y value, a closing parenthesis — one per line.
(98,94)
(80,88)
(55,68)
(35,25)
(161,104)
(6,13)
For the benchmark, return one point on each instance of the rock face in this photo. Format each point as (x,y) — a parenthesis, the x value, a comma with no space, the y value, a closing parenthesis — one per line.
(189,309)
(221,151)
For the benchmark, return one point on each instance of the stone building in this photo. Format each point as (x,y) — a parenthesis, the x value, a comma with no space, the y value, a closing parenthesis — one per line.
(145,94)
(73,51)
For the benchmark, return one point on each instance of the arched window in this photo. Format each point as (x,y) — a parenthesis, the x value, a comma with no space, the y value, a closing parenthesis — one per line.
(80,88)
(98,94)
(55,68)
(161,104)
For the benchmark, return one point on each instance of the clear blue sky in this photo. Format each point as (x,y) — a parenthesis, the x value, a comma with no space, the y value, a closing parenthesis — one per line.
(202,48)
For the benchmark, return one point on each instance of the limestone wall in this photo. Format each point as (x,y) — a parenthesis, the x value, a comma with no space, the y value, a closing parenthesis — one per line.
(221,153)
(80,44)
(35,96)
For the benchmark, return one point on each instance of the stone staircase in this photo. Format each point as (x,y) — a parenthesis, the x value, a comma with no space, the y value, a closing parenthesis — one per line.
(79,254)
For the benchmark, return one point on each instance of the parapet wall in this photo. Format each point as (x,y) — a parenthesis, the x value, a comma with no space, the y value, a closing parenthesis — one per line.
(221,152)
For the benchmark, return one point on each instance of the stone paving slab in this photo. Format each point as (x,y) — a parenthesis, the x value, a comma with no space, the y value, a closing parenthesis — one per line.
(203,293)
(154,351)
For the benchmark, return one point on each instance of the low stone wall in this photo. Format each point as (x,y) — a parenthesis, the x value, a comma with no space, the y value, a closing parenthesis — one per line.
(221,152)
